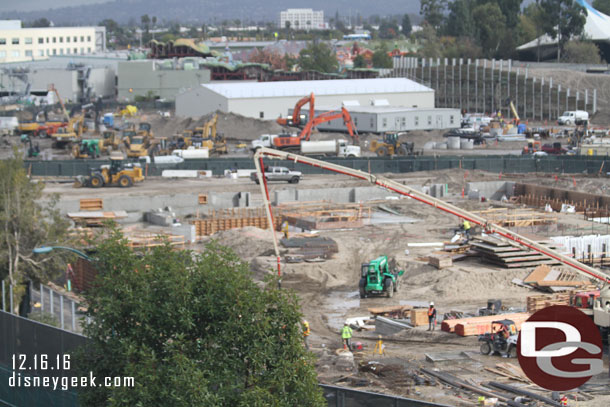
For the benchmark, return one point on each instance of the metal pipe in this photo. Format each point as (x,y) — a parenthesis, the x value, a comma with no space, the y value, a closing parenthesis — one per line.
(401,189)
(3,299)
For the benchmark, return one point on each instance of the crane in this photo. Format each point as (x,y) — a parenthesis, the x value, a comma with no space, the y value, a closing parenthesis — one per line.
(61,102)
(514,111)
(295,120)
(601,309)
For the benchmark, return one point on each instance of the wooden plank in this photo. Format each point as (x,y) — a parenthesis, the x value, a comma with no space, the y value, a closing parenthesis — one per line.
(538,274)
(561,283)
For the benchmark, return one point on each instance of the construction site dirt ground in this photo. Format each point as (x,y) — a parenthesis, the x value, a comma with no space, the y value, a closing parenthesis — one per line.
(239,130)
(328,291)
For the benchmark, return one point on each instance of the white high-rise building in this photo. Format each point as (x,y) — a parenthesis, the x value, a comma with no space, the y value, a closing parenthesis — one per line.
(30,44)
(302,19)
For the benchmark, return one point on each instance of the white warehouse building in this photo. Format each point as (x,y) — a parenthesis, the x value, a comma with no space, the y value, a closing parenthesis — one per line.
(270,100)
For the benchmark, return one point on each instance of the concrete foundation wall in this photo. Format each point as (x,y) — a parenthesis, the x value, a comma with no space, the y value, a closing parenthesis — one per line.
(490,190)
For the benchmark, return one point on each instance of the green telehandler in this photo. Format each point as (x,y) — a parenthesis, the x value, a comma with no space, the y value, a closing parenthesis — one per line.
(379,277)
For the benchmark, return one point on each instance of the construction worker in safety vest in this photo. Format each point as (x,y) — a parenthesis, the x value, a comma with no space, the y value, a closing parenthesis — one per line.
(563,401)
(306,332)
(346,335)
(466,228)
(431,317)
(285,229)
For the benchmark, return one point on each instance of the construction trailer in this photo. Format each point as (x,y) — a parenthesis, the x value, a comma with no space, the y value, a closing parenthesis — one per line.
(381,119)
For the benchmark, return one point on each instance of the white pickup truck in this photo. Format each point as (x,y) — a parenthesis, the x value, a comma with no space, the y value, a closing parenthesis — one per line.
(279,174)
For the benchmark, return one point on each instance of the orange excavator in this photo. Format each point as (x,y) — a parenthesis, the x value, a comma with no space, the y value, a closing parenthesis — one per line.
(294,142)
(295,119)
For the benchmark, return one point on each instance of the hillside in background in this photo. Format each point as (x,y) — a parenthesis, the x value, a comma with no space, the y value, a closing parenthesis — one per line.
(208,11)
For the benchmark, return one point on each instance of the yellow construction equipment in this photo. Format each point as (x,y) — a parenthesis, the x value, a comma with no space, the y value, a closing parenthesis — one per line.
(210,139)
(514,111)
(128,111)
(110,141)
(391,145)
(71,133)
(61,102)
(115,174)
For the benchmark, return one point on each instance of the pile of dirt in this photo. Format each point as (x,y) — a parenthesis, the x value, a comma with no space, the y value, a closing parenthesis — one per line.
(232,126)
(247,243)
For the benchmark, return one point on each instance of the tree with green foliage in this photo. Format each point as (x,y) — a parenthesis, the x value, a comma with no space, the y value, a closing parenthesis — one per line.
(581,52)
(602,5)
(26,223)
(318,57)
(491,27)
(433,11)
(532,25)
(388,29)
(563,19)
(459,22)
(41,22)
(192,329)
(407,27)
(360,62)
(380,58)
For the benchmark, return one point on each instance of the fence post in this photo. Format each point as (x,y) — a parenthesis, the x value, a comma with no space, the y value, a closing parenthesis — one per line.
(61,310)
(73,317)
(51,299)
(3,300)
(41,299)
(10,288)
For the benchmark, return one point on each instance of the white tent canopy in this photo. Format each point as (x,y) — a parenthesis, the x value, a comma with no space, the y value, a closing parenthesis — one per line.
(597,28)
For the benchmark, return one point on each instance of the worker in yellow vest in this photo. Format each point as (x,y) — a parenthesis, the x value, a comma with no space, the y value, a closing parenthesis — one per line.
(346,335)
(466,228)
(306,332)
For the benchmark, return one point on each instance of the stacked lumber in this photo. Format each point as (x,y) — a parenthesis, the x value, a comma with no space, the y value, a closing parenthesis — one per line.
(440,262)
(419,317)
(545,278)
(538,302)
(95,218)
(480,325)
(91,204)
(396,311)
(502,253)
(509,371)
(309,248)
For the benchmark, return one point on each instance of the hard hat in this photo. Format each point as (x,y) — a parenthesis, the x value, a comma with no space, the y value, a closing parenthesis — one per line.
(305,322)
(431,303)
(345,323)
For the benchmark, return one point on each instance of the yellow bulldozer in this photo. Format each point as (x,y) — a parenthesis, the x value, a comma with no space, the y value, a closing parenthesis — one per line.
(391,145)
(116,174)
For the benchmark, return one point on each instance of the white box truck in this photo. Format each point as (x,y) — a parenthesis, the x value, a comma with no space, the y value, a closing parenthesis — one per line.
(338,148)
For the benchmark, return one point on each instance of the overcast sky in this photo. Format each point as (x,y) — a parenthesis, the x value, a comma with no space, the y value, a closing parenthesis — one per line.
(31,5)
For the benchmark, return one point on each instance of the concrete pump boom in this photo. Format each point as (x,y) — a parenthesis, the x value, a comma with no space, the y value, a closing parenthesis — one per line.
(583,269)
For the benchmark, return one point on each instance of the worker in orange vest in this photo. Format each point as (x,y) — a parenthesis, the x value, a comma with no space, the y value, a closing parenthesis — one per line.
(306,332)
(431,317)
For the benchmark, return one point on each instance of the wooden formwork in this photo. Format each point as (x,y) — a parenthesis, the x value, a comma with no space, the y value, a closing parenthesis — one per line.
(219,220)
(509,218)
(91,204)
(538,302)
(145,239)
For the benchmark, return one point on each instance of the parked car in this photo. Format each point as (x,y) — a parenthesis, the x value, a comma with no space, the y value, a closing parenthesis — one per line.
(279,174)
